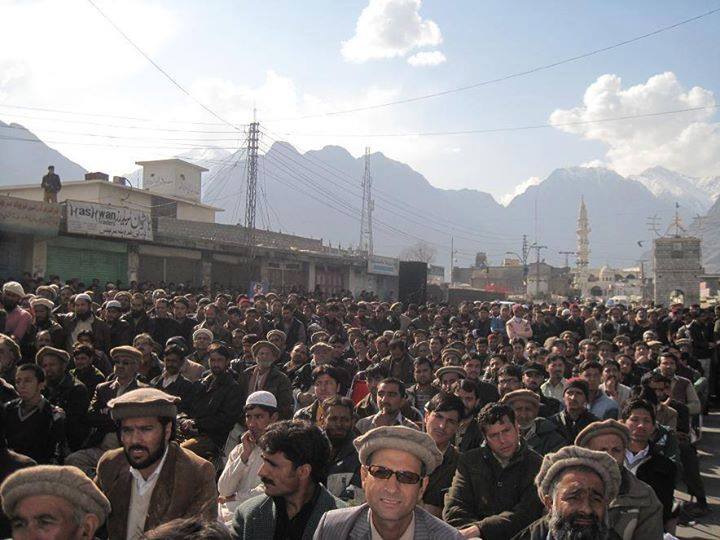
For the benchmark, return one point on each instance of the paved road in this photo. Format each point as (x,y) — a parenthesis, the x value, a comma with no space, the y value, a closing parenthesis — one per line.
(708,447)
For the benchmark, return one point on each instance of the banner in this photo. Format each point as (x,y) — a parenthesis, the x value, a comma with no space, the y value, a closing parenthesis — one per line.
(384,266)
(25,216)
(105,220)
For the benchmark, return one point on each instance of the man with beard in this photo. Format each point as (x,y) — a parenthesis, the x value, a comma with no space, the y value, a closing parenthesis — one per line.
(575,416)
(181,307)
(423,390)
(137,318)
(213,323)
(119,329)
(539,433)
(216,408)
(151,480)
(17,320)
(576,486)
(44,320)
(84,320)
(636,512)
(266,375)
(239,480)
(344,469)
(103,430)
(162,325)
(201,340)
(172,381)
(293,328)
(65,391)
(399,363)
(295,458)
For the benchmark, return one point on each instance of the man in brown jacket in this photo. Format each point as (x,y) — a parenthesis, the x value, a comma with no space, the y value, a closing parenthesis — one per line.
(152,480)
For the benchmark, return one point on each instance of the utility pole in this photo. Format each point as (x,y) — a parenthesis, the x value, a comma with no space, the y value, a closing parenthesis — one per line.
(452,257)
(368,205)
(567,256)
(251,170)
(537,249)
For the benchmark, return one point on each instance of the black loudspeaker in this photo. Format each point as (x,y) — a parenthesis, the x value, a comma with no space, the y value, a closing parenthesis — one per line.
(412,287)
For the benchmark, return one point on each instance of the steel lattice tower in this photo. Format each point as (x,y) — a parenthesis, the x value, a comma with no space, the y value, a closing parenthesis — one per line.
(251,171)
(366,228)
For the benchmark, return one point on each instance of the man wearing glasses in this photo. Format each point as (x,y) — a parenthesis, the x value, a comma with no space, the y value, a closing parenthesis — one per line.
(396,463)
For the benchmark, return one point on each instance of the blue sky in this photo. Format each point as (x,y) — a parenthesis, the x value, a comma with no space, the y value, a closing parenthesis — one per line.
(287,59)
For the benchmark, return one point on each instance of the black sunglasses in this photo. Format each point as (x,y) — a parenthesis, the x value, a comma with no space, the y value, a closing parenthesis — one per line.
(404,477)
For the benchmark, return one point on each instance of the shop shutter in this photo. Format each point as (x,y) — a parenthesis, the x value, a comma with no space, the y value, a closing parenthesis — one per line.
(87,264)
(11,255)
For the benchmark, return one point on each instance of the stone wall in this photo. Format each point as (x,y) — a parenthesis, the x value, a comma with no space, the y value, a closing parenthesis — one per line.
(678,267)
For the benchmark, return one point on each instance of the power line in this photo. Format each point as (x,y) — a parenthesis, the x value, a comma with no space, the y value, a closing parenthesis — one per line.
(502,129)
(516,75)
(159,68)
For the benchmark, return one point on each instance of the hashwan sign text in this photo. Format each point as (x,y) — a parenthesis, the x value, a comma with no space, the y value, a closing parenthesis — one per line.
(105,220)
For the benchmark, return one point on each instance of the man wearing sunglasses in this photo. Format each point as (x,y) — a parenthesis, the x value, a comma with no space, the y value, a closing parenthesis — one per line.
(396,463)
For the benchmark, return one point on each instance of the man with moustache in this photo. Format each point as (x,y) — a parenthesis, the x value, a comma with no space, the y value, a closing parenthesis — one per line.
(576,486)
(295,457)
(17,321)
(266,375)
(337,424)
(172,381)
(152,480)
(82,320)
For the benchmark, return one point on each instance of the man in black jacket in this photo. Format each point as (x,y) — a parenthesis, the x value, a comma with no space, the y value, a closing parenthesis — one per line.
(119,328)
(574,417)
(172,382)
(216,409)
(344,470)
(65,391)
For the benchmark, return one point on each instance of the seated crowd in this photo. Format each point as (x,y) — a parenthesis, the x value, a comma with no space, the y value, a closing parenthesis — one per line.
(169,413)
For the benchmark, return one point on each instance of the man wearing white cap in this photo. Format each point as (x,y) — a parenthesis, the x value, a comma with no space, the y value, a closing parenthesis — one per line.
(119,329)
(84,319)
(239,480)
(17,321)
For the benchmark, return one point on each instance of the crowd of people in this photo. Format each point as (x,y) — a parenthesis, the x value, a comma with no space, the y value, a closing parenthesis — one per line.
(173,413)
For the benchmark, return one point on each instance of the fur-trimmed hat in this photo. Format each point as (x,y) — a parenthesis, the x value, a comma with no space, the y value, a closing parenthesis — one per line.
(605,427)
(13,287)
(279,333)
(403,438)
(321,345)
(575,456)
(66,482)
(143,402)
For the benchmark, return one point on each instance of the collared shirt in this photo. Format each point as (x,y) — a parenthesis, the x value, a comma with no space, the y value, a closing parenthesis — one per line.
(409,533)
(167,380)
(143,485)
(633,461)
(239,480)
(22,415)
(554,391)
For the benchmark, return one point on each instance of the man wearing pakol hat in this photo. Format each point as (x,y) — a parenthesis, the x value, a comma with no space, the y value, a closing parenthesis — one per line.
(266,375)
(239,480)
(446,376)
(82,318)
(151,479)
(396,463)
(126,360)
(65,391)
(52,499)
(295,457)
(539,433)
(45,320)
(492,495)
(576,485)
(217,407)
(636,512)
(17,320)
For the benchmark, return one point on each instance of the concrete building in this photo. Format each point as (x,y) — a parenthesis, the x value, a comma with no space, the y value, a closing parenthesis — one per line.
(678,269)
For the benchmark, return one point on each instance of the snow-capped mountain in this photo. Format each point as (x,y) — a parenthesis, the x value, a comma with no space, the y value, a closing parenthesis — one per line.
(675,187)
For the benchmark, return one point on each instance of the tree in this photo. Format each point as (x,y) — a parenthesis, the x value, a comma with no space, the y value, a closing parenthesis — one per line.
(420,251)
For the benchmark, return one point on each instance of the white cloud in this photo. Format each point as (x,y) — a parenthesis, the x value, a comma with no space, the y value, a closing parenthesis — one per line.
(390,29)
(685,142)
(427,58)
(519,190)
